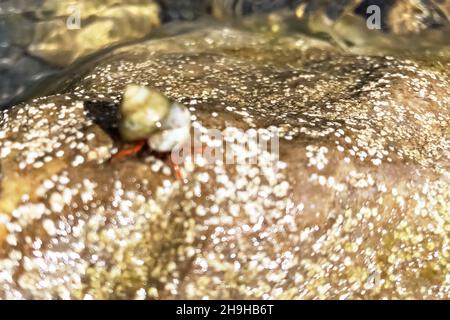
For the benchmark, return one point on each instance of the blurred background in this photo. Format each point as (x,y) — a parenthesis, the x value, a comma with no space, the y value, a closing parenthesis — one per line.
(43,40)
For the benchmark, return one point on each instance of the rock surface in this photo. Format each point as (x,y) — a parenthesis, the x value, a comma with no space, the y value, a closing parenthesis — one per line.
(356,205)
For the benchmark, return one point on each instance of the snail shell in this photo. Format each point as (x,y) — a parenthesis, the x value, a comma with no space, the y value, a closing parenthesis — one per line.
(148,114)
(142,111)
(175,130)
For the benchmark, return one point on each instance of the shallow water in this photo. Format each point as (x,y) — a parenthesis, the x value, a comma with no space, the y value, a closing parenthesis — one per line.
(39,51)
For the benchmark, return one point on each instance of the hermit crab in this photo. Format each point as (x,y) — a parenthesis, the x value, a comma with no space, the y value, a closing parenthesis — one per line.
(147,116)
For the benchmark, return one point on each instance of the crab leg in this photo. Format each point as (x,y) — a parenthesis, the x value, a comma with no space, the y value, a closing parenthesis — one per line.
(135,148)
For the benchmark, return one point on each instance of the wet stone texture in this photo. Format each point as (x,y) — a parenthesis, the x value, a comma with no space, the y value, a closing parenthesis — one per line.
(356,206)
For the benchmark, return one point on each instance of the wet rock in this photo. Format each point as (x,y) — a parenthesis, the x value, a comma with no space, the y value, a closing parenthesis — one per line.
(183,10)
(399,17)
(412,25)
(100,27)
(355,205)
(54,34)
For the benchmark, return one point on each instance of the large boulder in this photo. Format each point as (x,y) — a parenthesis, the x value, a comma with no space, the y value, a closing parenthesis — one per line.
(356,204)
